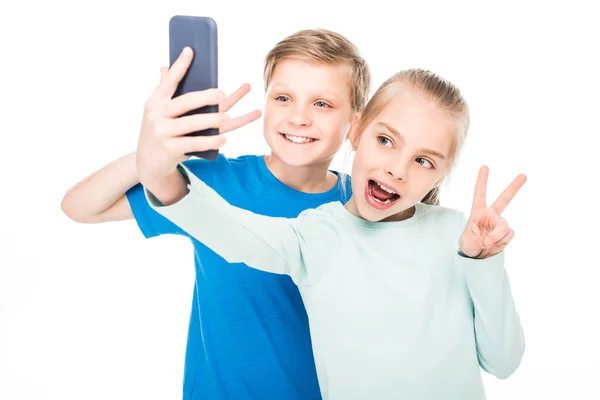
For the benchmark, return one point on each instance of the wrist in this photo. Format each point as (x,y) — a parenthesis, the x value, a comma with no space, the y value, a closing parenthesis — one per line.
(170,188)
(474,257)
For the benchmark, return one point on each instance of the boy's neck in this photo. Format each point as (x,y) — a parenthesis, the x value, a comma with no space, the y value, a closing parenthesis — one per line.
(315,178)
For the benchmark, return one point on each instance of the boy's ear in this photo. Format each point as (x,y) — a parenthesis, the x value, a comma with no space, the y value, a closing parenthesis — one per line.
(352,136)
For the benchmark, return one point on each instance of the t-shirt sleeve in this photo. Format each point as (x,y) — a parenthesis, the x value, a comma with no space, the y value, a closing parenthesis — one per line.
(152,223)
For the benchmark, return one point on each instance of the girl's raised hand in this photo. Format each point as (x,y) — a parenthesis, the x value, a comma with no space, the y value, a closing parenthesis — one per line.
(487,233)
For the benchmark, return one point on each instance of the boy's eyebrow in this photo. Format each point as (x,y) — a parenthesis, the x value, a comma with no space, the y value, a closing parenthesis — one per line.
(401,138)
(325,92)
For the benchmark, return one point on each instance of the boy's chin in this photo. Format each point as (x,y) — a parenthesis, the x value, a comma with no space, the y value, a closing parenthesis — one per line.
(297,158)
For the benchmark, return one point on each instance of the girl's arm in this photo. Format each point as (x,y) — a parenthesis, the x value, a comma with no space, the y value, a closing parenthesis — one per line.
(498,333)
(298,247)
(485,235)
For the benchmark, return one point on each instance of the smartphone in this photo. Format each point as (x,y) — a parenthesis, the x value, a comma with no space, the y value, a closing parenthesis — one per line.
(199,33)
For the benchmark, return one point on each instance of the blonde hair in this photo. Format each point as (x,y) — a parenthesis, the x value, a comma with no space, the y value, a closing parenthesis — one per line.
(436,89)
(325,47)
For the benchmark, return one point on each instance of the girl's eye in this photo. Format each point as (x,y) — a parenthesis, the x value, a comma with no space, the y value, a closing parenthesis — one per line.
(282,98)
(322,104)
(384,141)
(424,162)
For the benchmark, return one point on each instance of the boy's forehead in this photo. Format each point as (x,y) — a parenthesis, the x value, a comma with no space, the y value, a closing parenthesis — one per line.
(301,74)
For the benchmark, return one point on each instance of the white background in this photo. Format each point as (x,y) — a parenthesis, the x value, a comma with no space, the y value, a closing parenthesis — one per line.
(99,312)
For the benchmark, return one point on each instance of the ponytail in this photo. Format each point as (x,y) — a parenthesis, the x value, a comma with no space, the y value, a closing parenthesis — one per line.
(432,198)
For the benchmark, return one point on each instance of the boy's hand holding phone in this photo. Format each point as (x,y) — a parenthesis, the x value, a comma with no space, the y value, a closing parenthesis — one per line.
(163,142)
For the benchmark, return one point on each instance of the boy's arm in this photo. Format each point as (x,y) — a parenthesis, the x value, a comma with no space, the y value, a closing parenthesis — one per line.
(113,193)
(298,247)
(100,197)
(164,139)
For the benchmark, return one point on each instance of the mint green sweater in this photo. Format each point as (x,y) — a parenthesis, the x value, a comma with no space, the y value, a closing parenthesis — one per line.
(394,311)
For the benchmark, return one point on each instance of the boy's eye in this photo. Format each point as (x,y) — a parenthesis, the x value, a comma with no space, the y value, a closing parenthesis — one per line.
(282,98)
(384,141)
(322,104)
(424,162)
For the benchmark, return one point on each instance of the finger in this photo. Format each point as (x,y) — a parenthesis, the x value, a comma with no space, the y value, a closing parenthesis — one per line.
(234,97)
(189,144)
(176,72)
(238,122)
(479,198)
(156,97)
(471,241)
(164,71)
(198,122)
(473,228)
(496,234)
(193,100)
(509,236)
(501,245)
(509,193)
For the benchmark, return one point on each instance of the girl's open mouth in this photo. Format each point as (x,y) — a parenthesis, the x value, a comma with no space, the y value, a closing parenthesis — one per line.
(380,196)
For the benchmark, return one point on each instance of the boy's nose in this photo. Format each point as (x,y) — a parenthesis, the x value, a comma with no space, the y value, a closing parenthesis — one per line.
(300,117)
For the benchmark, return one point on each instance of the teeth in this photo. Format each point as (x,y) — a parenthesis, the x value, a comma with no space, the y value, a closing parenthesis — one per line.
(385,188)
(388,201)
(298,139)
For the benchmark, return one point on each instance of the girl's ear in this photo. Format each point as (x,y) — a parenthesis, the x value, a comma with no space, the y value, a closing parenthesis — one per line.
(353,135)
(439,182)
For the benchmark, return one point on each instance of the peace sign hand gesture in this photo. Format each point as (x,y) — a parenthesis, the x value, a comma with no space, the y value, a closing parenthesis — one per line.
(487,233)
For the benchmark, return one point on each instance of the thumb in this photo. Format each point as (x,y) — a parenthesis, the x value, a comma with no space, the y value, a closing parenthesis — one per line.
(474,228)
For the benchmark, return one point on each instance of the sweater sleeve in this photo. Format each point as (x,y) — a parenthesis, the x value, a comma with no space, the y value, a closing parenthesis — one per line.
(498,332)
(298,247)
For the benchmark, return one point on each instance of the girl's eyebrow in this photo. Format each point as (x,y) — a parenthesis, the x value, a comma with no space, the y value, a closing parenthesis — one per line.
(401,138)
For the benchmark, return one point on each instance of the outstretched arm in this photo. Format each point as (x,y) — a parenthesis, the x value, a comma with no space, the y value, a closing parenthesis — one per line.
(298,247)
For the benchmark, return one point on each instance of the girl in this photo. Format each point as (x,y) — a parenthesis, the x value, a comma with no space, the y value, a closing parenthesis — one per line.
(405,300)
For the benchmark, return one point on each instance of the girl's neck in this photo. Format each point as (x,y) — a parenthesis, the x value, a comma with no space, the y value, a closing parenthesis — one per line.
(314,178)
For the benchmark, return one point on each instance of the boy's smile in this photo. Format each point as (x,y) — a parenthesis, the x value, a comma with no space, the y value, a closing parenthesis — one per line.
(298,139)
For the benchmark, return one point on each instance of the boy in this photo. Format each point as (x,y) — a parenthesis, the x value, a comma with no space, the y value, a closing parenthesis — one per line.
(248,334)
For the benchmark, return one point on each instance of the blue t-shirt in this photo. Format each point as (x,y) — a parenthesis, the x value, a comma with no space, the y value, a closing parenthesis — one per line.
(248,334)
